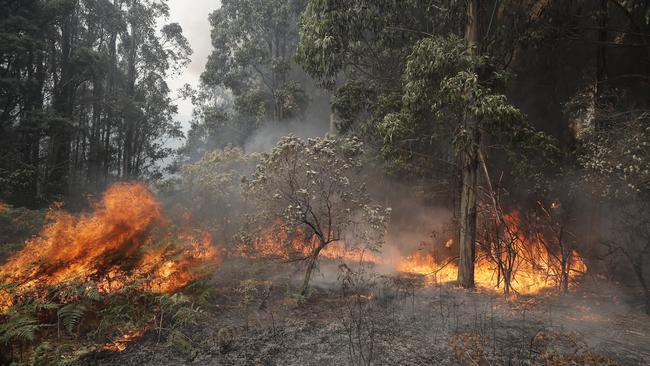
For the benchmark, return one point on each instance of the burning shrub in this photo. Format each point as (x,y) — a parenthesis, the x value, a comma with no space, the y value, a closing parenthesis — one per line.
(528,254)
(110,264)
(313,186)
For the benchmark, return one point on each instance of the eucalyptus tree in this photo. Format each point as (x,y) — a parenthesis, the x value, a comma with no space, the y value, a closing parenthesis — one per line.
(84,100)
(22,116)
(253,43)
(148,112)
(433,116)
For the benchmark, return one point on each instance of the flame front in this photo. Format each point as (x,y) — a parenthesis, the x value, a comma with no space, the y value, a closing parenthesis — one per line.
(120,242)
(533,267)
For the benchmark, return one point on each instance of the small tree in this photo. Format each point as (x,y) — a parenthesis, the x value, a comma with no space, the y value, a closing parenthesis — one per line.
(313,186)
(212,187)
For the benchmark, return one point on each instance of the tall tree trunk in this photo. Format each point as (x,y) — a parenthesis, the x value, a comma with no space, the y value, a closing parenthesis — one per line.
(95,144)
(31,135)
(110,117)
(601,61)
(59,160)
(599,120)
(131,115)
(468,215)
(469,174)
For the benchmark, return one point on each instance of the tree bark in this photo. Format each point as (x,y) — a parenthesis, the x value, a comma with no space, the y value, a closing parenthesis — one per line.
(311,264)
(468,217)
(469,173)
(601,62)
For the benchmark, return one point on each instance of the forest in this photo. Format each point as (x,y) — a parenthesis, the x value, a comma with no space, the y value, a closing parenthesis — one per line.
(361,182)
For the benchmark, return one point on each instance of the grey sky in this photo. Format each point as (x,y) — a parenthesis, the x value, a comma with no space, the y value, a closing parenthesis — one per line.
(192,15)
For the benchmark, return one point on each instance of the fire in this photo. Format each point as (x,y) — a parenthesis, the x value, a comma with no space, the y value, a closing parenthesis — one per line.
(534,267)
(277,242)
(427,265)
(119,242)
(120,344)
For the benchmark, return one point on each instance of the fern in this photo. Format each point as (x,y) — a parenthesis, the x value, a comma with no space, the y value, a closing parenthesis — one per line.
(19,327)
(43,355)
(186,315)
(71,315)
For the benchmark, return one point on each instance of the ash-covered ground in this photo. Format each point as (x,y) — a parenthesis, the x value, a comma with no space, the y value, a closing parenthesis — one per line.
(393,320)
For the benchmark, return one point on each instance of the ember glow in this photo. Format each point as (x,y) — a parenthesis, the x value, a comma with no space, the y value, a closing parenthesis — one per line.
(121,241)
(120,344)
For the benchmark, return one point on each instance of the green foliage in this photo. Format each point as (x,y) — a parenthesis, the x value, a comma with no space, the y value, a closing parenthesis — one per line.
(16,226)
(44,355)
(252,57)
(446,100)
(366,39)
(89,72)
(71,315)
(18,328)
(212,187)
(181,313)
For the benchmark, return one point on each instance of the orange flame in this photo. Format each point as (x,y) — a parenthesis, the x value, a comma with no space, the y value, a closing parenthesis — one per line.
(535,268)
(120,344)
(276,242)
(112,246)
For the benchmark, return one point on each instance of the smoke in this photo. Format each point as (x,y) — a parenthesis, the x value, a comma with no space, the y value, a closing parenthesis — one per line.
(314,122)
(266,137)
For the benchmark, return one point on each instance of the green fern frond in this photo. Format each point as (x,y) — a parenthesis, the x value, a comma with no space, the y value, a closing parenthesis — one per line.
(19,328)
(71,315)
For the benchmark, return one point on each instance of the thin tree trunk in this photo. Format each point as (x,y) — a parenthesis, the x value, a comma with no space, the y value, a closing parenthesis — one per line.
(638,270)
(601,61)
(310,269)
(131,116)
